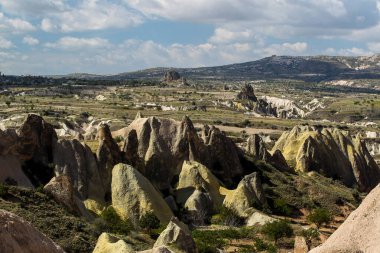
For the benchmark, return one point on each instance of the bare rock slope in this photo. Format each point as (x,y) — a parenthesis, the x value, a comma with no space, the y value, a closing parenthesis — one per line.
(133,195)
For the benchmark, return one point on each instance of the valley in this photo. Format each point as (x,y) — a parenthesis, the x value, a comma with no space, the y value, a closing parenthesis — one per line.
(185,163)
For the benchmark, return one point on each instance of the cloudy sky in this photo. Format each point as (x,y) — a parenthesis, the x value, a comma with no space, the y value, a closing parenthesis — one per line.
(113,36)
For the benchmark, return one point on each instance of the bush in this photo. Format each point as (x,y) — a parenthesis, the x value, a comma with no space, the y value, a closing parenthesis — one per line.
(208,241)
(282,207)
(228,217)
(310,234)
(260,245)
(149,221)
(113,222)
(319,217)
(3,191)
(277,229)
(118,139)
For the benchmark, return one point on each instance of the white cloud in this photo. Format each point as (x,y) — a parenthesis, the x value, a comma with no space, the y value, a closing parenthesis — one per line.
(14,25)
(276,18)
(224,35)
(72,16)
(374,47)
(47,25)
(30,40)
(70,43)
(5,44)
(32,8)
(354,52)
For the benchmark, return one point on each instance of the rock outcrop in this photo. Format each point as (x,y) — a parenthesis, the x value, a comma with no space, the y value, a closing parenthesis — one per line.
(280,107)
(300,245)
(199,206)
(360,232)
(133,195)
(195,176)
(111,244)
(161,249)
(178,235)
(108,155)
(11,171)
(330,152)
(171,76)
(77,161)
(37,138)
(256,148)
(62,190)
(19,236)
(247,93)
(32,144)
(164,144)
(258,218)
(221,156)
(248,194)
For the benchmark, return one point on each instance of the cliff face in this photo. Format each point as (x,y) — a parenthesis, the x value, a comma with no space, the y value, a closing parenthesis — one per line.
(162,145)
(330,152)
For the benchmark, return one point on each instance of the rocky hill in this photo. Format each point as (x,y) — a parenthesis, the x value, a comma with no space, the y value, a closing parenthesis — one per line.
(164,168)
(331,152)
(311,68)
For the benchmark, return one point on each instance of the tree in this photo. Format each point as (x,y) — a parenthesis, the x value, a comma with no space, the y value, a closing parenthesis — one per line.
(319,217)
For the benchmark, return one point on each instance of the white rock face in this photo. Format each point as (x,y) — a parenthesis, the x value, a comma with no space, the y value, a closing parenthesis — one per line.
(161,249)
(178,235)
(284,105)
(361,230)
(371,134)
(314,105)
(341,83)
(100,98)
(111,244)
(247,195)
(258,218)
(133,195)
(300,245)
(19,236)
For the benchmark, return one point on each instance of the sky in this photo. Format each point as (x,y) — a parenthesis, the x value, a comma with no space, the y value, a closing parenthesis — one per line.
(43,37)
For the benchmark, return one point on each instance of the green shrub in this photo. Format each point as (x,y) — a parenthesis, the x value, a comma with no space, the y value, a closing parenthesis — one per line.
(149,221)
(227,216)
(277,229)
(208,240)
(260,245)
(319,217)
(3,190)
(40,189)
(310,234)
(113,222)
(118,139)
(282,207)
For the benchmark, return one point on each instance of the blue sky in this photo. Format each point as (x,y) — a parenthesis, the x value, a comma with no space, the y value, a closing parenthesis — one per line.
(113,36)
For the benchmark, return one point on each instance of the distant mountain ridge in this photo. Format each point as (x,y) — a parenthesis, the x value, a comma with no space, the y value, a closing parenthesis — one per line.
(309,68)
